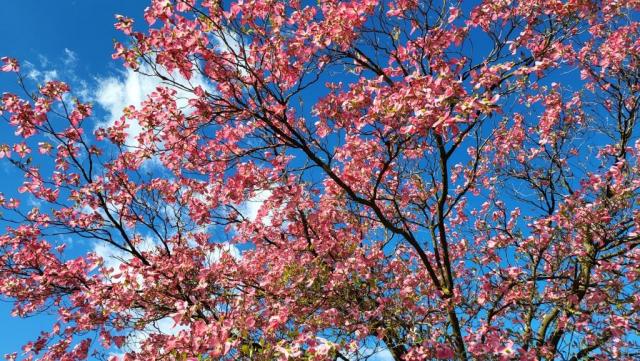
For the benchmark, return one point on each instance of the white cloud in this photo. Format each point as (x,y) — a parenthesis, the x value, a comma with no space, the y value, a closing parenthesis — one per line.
(372,350)
(164,326)
(230,42)
(251,207)
(116,93)
(225,247)
(114,257)
(130,87)
(111,256)
(384,355)
(135,339)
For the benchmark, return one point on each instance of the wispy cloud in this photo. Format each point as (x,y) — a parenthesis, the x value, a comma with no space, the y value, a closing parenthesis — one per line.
(62,68)
(40,75)
(70,58)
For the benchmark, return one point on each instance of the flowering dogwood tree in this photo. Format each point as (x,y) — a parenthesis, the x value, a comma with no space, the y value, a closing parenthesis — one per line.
(433,180)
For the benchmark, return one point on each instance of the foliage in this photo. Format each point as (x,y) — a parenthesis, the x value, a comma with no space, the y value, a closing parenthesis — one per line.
(463,185)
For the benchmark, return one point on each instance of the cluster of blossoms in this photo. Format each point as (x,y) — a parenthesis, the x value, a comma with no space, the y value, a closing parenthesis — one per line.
(464,186)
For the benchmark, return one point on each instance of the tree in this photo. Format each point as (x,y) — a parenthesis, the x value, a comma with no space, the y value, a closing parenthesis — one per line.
(437,180)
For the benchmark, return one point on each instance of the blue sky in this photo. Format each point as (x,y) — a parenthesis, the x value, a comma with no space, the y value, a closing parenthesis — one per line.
(67,39)
(72,41)
(32,30)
